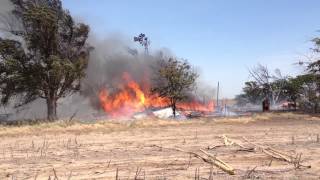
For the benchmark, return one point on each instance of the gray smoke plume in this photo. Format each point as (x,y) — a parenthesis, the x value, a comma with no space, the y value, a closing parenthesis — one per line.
(111,58)
(5,6)
(116,55)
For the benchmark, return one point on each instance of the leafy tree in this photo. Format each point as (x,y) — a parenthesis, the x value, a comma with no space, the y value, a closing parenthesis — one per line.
(253,92)
(302,89)
(309,93)
(47,57)
(174,79)
(270,84)
(311,82)
(292,89)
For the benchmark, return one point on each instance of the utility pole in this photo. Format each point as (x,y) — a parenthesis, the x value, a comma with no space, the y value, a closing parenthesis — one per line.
(218,88)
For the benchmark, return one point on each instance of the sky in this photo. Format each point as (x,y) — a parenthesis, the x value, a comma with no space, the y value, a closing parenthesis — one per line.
(222,38)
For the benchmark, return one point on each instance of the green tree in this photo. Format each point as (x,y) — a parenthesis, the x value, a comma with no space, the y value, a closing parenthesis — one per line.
(252,93)
(311,86)
(309,93)
(292,89)
(47,57)
(302,89)
(174,80)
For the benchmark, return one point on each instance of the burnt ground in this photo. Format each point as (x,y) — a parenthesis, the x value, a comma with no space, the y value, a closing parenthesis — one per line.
(132,149)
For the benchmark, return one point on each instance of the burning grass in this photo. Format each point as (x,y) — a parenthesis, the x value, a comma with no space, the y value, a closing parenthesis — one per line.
(132,97)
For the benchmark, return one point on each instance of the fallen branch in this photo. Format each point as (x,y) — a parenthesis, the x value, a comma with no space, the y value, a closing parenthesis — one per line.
(229,142)
(247,149)
(276,154)
(271,152)
(219,163)
(213,160)
(214,147)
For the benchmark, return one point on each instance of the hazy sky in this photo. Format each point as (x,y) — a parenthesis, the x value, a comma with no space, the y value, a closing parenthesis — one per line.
(223,38)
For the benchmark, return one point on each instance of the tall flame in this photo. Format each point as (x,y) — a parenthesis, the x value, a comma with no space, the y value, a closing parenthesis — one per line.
(131,99)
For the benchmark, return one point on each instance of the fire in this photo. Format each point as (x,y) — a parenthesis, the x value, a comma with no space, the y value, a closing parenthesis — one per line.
(196,106)
(131,99)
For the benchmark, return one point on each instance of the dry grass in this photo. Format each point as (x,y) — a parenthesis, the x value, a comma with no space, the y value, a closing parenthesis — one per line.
(108,126)
(103,149)
(104,126)
(269,116)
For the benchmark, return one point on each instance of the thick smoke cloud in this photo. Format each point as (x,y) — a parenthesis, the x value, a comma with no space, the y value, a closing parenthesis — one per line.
(111,58)
(5,6)
(116,55)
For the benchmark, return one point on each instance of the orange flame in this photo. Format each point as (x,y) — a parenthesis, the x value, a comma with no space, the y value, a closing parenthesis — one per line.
(131,99)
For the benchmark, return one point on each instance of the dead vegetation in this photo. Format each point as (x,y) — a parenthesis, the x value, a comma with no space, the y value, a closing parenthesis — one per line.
(257,147)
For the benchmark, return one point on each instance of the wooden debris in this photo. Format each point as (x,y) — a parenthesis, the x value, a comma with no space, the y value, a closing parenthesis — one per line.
(219,163)
(276,154)
(250,149)
(214,147)
(210,159)
(229,142)
(249,173)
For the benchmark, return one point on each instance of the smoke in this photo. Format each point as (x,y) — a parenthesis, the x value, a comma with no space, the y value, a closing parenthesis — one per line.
(5,6)
(204,91)
(111,58)
(116,55)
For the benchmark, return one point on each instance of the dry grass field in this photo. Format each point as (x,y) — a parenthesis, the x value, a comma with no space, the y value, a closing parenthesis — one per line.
(144,149)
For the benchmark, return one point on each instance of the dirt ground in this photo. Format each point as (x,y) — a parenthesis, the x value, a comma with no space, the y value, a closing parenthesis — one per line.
(132,150)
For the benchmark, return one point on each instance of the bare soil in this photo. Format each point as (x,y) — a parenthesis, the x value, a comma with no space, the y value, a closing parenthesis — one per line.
(130,150)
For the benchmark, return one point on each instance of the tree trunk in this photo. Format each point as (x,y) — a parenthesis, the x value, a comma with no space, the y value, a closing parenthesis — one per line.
(52,109)
(174,107)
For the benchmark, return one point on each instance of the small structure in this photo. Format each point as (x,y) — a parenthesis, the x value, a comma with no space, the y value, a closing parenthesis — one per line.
(265,105)
(164,113)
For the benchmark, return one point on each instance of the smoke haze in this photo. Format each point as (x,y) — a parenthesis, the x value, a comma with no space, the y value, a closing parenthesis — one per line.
(112,56)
